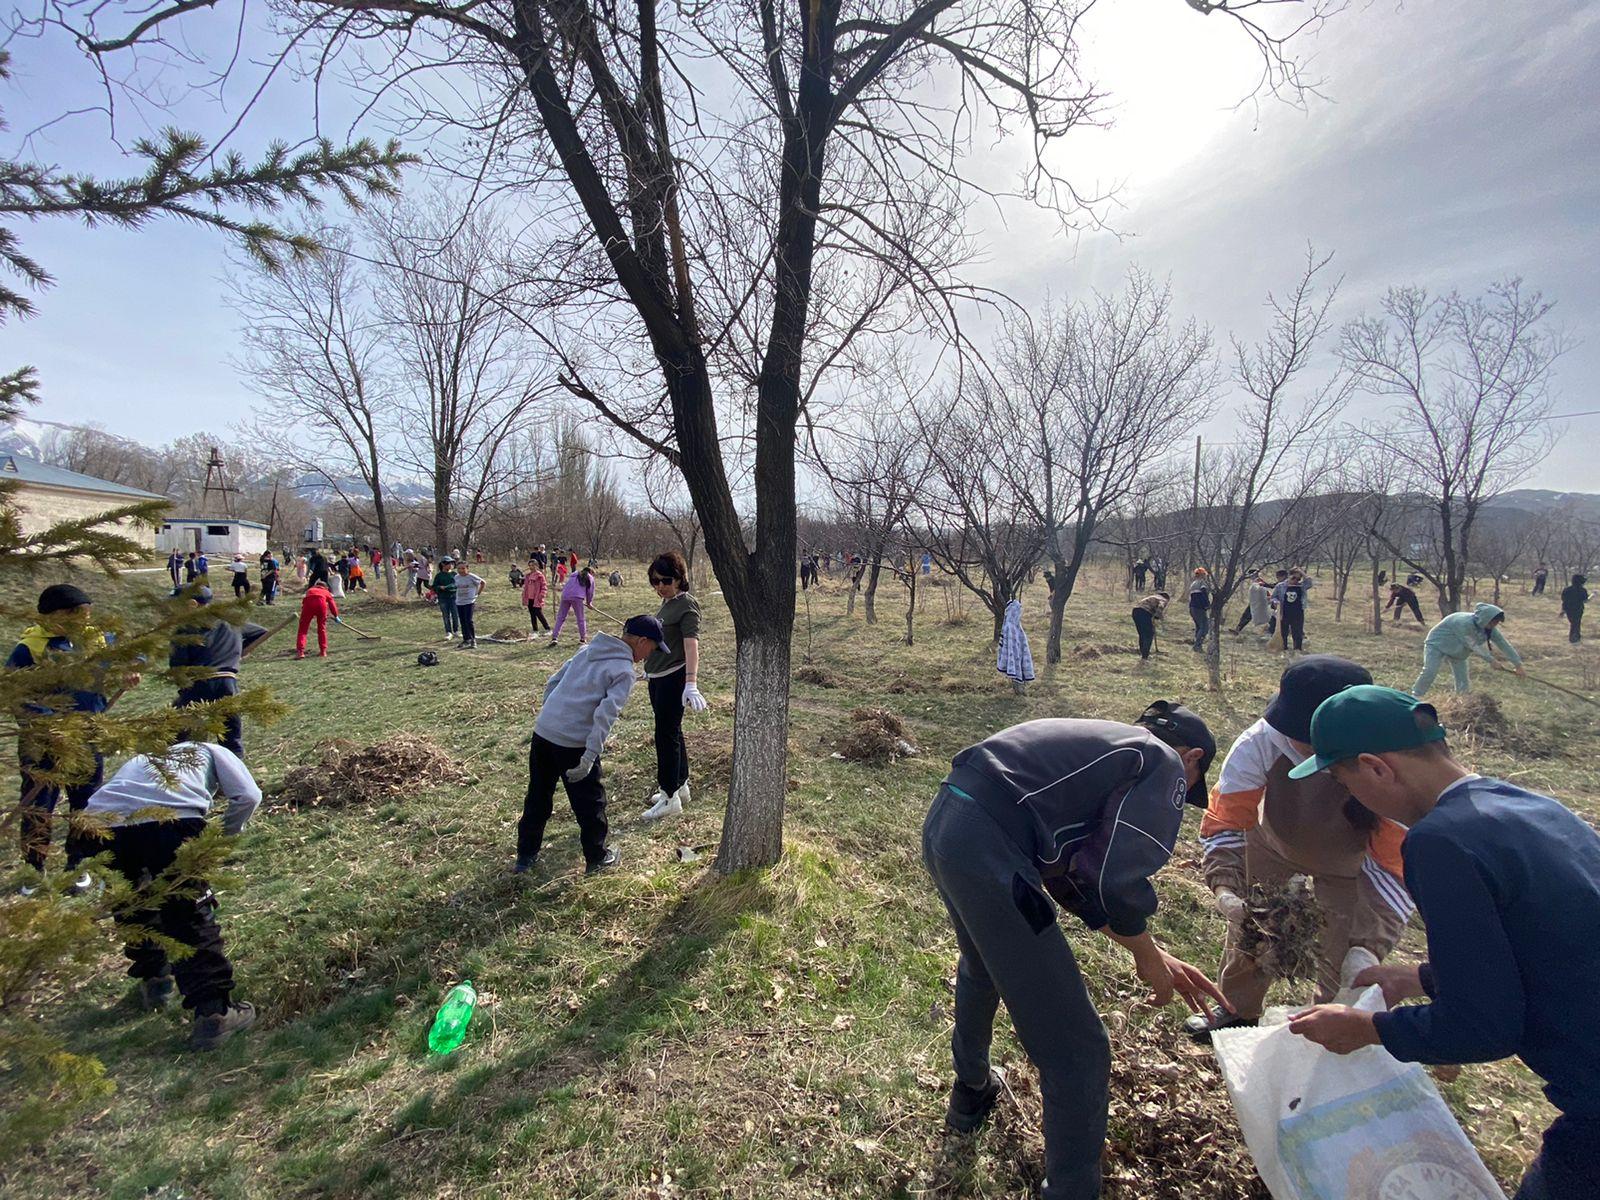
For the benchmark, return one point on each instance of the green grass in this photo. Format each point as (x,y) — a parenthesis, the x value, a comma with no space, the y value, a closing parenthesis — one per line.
(658,1031)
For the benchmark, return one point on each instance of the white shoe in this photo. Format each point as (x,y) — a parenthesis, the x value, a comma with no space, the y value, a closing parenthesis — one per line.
(682,794)
(655,799)
(667,806)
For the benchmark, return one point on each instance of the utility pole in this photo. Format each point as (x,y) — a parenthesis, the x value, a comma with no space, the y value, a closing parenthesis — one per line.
(1194,501)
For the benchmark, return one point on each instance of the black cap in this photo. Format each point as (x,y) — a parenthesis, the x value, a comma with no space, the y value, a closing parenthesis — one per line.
(1175,723)
(647,627)
(59,597)
(1306,684)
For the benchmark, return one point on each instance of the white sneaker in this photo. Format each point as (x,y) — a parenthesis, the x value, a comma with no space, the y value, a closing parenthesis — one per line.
(682,794)
(667,806)
(656,799)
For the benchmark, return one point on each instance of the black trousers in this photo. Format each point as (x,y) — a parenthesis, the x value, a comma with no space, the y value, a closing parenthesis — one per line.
(1292,625)
(1575,626)
(536,617)
(547,764)
(1416,611)
(672,756)
(1538,587)
(1145,623)
(141,852)
(1244,620)
(269,589)
(36,812)
(241,584)
(469,631)
(216,689)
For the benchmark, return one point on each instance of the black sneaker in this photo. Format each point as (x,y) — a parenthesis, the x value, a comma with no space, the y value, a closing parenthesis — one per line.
(605,862)
(151,994)
(211,1031)
(970,1106)
(525,863)
(1200,1028)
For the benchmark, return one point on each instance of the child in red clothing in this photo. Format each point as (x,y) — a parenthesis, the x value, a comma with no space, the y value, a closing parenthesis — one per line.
(317,605)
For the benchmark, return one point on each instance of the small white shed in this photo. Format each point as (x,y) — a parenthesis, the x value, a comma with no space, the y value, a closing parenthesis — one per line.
(223,536)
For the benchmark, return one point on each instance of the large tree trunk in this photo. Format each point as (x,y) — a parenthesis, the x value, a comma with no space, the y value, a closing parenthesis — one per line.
(1058,609)
(752,831)
(872,587)
(1377,600)
(441,512)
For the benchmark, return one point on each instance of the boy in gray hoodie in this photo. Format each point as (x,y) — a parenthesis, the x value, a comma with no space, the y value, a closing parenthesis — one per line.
(582,700)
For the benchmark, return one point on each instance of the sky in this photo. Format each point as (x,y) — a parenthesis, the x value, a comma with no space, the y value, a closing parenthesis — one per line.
(1455,143)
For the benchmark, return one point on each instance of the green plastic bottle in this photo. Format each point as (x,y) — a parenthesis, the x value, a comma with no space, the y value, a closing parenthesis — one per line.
(450,1026)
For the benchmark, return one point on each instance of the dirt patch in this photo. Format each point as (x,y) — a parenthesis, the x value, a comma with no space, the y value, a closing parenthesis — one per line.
(345,773)
(876,736)
(710,759)
(1283,928)
(816,676)
(510,633)
(1089,651)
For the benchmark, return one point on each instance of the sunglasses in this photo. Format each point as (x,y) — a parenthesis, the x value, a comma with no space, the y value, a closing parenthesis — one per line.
(657,580)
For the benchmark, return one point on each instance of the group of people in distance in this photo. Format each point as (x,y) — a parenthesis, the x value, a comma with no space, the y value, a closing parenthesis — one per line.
(1340,780)
(1275,608)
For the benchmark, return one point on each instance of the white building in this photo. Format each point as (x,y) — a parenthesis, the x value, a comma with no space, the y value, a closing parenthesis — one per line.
(44,496)
(220,536)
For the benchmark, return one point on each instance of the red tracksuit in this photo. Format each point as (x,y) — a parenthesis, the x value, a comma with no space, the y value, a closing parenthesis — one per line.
(318,605)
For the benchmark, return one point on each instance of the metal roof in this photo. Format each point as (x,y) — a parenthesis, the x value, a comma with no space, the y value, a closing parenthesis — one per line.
(213,521)
(31,470)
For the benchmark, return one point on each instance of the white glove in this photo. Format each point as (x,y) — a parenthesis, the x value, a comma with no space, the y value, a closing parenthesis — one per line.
(1356,960)
(692,699)
(1230,906)
(581,771)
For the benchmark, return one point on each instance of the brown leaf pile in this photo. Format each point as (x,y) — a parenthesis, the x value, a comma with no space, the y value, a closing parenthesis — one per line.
(875,735)
(1173,1134)
(816,676)
(1282,929)
(510,633)
(345,773)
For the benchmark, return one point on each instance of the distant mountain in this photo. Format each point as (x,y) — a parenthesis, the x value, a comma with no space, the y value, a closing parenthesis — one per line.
(318,492)
(1583,505)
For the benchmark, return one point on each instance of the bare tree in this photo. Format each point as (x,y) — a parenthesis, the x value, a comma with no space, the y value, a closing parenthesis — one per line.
(315,352)
(664,495)
(876,473)
(469,380)
(1090,395)
(975,518)
(1469,380)
(1259,487)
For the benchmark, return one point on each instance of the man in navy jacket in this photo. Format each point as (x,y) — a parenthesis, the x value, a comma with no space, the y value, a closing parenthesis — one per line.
(1508,883)
(1084,812)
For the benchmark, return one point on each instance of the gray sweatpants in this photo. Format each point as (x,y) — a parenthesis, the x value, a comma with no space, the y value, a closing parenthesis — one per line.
(1013,950)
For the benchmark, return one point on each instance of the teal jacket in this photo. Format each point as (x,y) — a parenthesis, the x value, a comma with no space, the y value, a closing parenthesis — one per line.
(1464,633)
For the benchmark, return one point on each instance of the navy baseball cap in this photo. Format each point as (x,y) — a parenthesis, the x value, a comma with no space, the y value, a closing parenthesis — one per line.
(1175,722)
(59,597)
(647,627)
(1306,684)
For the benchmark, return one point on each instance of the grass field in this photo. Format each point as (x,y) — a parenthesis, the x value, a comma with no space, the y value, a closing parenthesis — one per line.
(660,1033)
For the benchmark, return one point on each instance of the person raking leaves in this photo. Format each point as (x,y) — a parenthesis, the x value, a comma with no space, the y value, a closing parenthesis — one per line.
(1508,883)
(1085,812)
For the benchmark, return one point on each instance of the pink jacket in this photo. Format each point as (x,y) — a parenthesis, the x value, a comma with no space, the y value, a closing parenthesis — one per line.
(534,586)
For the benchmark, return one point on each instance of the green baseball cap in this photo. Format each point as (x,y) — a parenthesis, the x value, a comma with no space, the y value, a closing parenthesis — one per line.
(1367,719)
